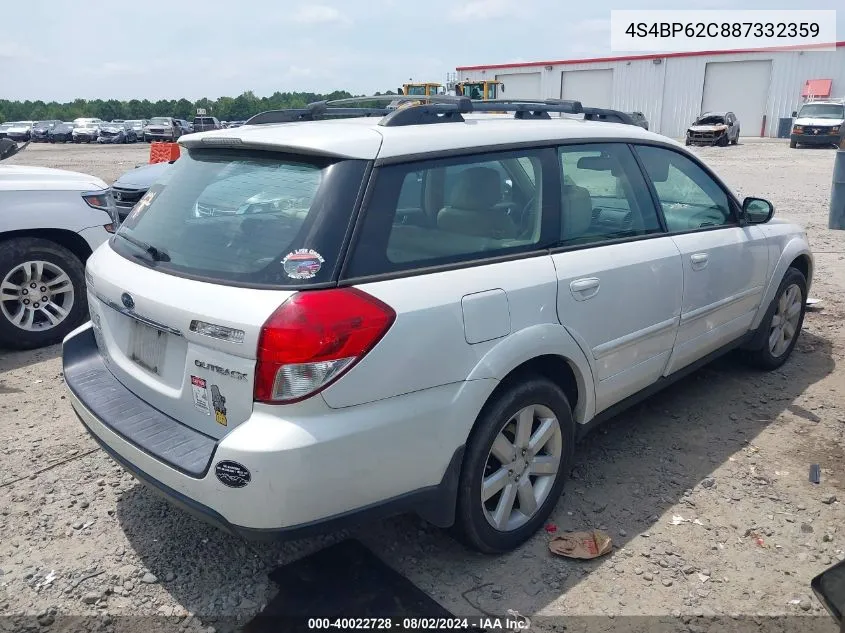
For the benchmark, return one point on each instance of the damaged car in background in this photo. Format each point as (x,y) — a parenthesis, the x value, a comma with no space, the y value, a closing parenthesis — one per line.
(115,132)
(61,133)
(86,132)
(20,131)
(714,128)
(138,126)
(41,131)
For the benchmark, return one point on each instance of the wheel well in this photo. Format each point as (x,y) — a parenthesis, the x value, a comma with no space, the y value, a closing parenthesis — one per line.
(802,264)
(72,241)
(555,368)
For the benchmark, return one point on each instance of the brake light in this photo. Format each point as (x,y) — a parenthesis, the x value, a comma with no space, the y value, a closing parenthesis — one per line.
(315,337)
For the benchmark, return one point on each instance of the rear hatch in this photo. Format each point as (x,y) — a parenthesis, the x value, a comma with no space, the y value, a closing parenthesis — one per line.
(179,297)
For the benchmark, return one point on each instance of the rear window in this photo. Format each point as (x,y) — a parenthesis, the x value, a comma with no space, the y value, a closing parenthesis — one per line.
(203,121)
(245,217)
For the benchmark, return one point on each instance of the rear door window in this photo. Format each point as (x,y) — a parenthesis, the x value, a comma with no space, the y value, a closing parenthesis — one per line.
(455,210)
(604,195)
(245,217)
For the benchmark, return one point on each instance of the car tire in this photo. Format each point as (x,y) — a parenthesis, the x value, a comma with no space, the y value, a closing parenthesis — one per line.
(723,141)
(793,144)
(687,143)
(539,404)
(17,259)
(736,139)
(785,314)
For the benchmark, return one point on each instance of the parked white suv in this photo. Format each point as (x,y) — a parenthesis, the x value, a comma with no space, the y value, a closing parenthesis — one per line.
(311,322)
(50,222)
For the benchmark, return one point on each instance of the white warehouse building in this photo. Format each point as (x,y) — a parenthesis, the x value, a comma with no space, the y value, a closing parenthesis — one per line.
(760,87)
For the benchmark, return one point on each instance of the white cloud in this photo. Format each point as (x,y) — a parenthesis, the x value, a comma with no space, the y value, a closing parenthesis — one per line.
(485,10)
(318,14)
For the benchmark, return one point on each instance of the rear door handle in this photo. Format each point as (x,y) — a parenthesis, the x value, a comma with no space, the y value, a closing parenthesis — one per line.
(699,261)
(583,289)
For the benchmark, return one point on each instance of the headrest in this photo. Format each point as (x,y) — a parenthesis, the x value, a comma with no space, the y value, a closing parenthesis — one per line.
(476,188)
(577,212)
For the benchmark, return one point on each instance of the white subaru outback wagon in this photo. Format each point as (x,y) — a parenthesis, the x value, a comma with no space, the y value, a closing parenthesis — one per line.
(313,321)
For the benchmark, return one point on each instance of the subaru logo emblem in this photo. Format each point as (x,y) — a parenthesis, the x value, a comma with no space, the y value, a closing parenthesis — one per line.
(128,301)
(118,195)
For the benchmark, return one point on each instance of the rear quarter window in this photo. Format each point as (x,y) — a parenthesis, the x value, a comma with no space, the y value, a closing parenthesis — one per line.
(466,209)
(242,217)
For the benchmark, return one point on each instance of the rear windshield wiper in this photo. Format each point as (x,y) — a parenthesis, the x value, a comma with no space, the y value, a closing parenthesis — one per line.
(156,254)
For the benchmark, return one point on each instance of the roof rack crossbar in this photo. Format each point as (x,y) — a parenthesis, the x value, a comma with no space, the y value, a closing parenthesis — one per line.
(423,115)
(422,110)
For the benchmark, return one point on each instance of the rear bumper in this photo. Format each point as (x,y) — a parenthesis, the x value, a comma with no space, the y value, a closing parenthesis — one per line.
(323,469)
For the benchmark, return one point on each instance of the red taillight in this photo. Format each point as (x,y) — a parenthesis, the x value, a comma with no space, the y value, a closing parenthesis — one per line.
(315,337)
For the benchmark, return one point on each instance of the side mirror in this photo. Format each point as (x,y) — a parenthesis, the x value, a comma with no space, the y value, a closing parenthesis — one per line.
(757,210)
(794,113)
(829,587)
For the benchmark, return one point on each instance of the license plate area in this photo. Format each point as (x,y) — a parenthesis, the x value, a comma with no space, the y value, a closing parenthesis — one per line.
(147,347)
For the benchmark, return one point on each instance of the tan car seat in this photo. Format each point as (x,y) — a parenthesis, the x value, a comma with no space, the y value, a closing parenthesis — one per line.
(471,207)
(576,213)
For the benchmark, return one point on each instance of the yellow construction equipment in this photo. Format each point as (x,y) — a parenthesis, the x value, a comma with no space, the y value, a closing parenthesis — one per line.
(421,89)
(485,90)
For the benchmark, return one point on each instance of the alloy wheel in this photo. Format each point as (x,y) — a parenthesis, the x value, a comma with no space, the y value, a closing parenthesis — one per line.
(521,467)
(784,326)
(36,295)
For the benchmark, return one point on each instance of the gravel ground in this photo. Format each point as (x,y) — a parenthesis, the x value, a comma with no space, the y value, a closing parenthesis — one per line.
(727,449)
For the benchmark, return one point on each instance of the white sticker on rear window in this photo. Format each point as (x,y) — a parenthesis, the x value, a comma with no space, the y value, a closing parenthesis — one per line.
(200,389)
(302,263)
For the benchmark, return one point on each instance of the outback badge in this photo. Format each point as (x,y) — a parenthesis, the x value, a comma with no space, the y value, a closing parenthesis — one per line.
(232,474)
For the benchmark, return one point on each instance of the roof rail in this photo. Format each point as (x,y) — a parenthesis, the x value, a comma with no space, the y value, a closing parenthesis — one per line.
(335,108)
(421,110)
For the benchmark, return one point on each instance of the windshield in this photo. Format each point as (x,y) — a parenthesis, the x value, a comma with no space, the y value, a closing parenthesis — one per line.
(474,91)
(89,125)
(159,121)
(44,123)
(823,111)
(416,90)
(239,216)
(711,119)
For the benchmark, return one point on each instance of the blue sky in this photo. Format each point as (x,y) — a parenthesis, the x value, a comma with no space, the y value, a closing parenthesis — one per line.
(64,49)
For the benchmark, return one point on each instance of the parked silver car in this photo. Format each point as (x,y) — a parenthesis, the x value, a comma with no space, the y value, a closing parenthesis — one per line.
(162,128)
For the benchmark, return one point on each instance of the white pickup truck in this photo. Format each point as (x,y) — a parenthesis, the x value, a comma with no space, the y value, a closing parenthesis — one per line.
(51,220)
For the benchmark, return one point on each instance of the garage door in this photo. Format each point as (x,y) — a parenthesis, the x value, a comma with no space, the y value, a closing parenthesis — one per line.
(590,87)
(740,87)
(520,85)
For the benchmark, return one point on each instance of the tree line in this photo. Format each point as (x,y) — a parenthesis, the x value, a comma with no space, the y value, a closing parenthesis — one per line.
(224,108)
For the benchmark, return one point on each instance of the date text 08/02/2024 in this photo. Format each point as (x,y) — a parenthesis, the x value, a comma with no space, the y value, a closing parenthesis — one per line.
(512,622)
